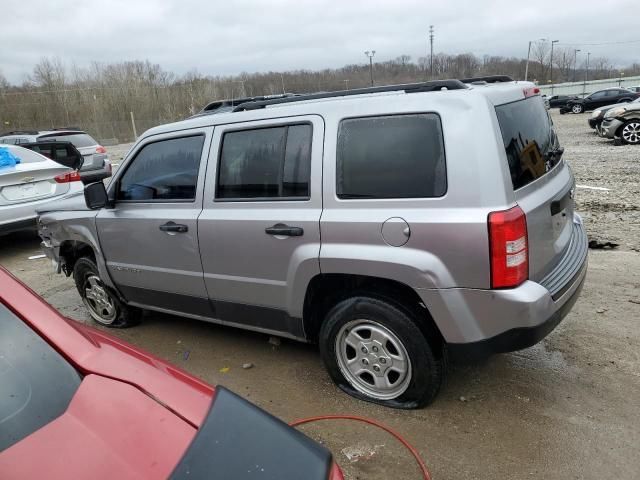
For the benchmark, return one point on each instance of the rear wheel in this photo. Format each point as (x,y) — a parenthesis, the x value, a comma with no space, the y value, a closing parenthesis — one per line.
(103,305)
(376,352)
(577,108)
(630,132)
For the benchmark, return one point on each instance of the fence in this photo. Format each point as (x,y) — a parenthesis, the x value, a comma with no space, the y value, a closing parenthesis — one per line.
(585,88)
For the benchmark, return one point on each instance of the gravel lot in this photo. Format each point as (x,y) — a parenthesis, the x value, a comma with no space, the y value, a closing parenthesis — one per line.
(567,408)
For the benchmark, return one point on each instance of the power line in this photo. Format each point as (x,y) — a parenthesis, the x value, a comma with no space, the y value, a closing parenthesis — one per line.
(599,44)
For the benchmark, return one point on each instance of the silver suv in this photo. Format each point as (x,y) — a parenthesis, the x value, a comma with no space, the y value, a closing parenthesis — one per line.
(394,226)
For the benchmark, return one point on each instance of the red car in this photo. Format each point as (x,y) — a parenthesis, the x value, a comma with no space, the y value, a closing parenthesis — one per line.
(78,403)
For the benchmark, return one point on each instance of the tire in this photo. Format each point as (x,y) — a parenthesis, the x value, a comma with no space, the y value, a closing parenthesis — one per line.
(577,108)
(630,132)
(103,305)
(377,336)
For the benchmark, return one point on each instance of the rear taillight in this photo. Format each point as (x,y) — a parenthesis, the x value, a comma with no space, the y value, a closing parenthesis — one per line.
(67,177)
(508,247)
(101,149)
(530,92)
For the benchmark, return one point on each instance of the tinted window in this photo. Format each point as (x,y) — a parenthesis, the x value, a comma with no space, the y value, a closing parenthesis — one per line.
(399,156)
(529,140)
(165,170)
(36,383)
(265,163)
(79,140)
(597,95)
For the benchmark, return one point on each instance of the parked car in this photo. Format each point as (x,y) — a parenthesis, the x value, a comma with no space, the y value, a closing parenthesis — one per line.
(623,122)
(338,218)
(32,180)
(96,160)
(595,121)
(634,89)
(599,99)
(79,403)
(557,101)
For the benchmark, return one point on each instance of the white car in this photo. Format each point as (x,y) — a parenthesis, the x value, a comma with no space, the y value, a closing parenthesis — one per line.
(32,182)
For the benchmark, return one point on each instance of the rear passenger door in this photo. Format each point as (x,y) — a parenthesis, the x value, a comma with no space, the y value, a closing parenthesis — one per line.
(150,237)
(259,230)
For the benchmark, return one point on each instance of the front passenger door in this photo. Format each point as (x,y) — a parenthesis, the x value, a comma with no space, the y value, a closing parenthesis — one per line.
(150,238)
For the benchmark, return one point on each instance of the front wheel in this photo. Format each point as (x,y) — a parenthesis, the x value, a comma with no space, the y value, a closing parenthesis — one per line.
(103,305)
(577,108)
(630,132)
(376,352)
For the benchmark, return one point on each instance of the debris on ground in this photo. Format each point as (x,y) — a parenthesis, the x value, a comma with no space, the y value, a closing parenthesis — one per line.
(275,341)
(247,366)
(185,355)
(463,399)
(360,451)
(598,245)
(224,369)
(36,257)
(637,302)
(601,310)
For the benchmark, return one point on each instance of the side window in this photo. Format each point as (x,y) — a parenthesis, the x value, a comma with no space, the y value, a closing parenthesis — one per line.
(598,95)
(164,170)
(272,162)
(399,156)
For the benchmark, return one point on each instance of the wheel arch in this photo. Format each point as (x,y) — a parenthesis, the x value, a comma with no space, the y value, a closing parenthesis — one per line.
(325,290)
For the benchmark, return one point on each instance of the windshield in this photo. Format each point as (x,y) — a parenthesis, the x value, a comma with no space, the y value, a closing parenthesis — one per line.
(79,140)
(36,383)
(529,140)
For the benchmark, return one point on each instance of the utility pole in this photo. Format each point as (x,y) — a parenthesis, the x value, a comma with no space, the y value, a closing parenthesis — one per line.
(431,49)
(346,84)
(282,81)
(551,65)
(526,68)
(370,54)
(575,62)
(586,76)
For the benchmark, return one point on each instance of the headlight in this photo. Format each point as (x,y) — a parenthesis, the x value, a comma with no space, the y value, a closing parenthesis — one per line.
(596,113)
(615,112)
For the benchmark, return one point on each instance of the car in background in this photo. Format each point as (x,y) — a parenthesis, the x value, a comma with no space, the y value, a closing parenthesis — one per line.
(558,101)
(34,180)
(95,155)
(623,122)
(598,99)
(76,402)
(595,121)
(634,89)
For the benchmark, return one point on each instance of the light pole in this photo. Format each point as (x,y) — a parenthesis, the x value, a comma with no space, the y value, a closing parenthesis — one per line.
(551,64)
(526,68)
(346,84)
(370,54)
(575,62)
(620,78)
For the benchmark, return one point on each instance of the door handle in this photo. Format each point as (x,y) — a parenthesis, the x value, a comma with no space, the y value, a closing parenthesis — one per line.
(174,227)
(284,230)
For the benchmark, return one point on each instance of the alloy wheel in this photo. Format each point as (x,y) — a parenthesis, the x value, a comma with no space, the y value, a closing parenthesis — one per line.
(373,359)
(631,132)
(98,300)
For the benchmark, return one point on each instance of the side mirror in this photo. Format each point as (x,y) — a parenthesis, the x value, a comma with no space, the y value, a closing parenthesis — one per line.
(64,153)
(95,196)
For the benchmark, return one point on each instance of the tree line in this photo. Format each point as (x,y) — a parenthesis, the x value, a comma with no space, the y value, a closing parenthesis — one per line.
(100,98)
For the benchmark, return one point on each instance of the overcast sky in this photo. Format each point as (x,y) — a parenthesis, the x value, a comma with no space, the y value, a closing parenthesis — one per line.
(227,37)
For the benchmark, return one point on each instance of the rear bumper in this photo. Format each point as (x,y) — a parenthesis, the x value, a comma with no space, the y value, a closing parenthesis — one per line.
(476,323)
(22,216)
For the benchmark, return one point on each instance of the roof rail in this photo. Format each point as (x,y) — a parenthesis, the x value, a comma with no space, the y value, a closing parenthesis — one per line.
(407,88)
(19,132)
(489,79)
(66,128)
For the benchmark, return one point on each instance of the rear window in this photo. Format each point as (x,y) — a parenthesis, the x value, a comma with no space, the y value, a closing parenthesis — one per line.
(529,140)
(398,156)
(79,140)
(25,155)
(36,383)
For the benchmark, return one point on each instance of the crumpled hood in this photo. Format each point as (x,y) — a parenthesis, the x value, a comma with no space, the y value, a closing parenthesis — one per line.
(71,203)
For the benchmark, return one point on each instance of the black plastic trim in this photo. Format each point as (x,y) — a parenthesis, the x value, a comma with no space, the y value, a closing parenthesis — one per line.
(239,441)
(169,301)
(29,224)
(488,79)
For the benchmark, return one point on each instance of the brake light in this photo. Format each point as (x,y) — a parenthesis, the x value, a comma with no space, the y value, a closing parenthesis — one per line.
(101,149)
(508,247)
(530,92)
(67,177)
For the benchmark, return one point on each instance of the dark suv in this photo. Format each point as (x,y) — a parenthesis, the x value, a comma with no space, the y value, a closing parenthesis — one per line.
(599,99)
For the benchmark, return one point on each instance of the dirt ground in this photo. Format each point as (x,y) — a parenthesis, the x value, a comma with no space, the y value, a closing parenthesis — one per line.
(568,408)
